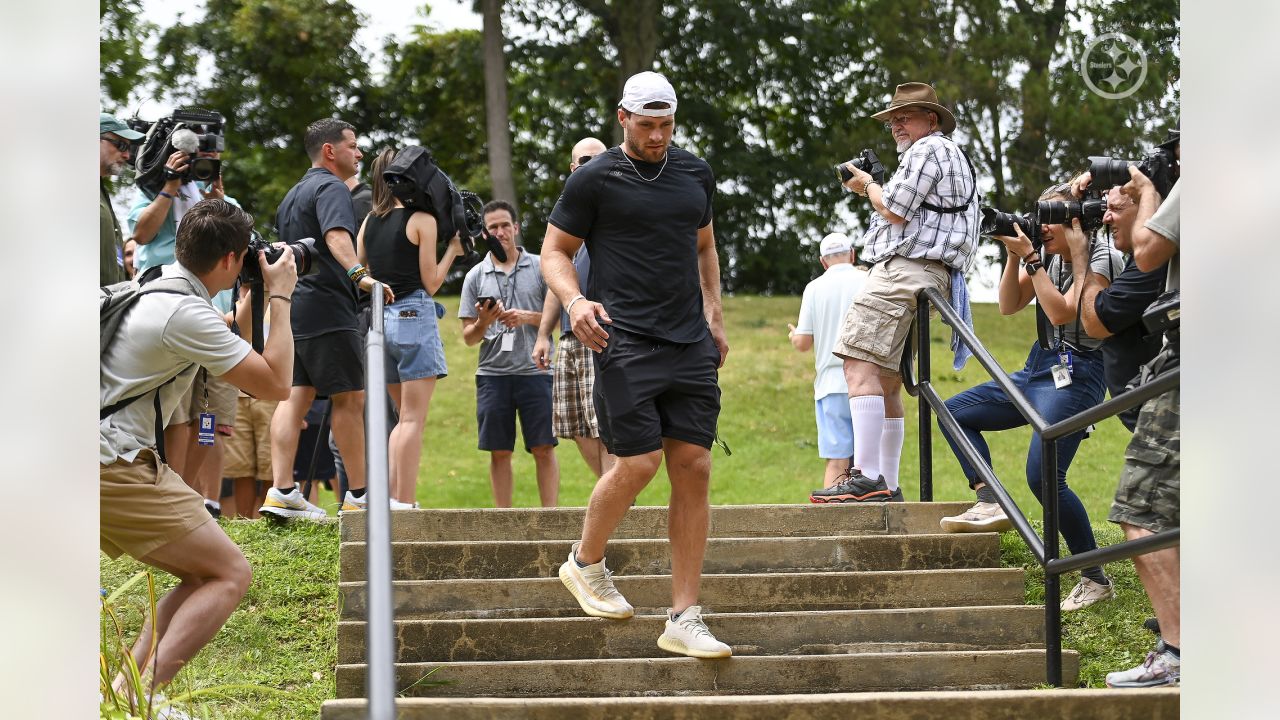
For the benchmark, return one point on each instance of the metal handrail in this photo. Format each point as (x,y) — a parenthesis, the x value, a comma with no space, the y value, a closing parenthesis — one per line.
(380,678)
(1045,550)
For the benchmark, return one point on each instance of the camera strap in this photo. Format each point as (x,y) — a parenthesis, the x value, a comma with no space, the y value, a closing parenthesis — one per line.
(972,191)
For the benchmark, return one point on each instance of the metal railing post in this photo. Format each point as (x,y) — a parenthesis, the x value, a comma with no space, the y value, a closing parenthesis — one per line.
(924,377)
(1052,581)
(380,679)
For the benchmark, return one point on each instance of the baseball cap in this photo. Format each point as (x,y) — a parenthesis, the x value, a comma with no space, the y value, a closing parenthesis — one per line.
(834,244)
(645,88)
(109,124)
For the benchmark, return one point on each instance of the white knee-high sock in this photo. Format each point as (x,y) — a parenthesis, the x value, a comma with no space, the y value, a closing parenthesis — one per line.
(891,449)
(868,423)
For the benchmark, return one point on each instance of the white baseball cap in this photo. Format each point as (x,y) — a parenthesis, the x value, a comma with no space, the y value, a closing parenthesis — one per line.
(834,244)
(645,88)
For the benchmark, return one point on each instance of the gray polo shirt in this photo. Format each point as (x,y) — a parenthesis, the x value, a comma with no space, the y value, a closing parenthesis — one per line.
(521,289)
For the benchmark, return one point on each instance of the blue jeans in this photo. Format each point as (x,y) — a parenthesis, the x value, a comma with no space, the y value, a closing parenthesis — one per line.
(986,407)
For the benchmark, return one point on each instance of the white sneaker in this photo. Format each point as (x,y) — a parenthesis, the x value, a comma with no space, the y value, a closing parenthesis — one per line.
(162,710)
(592,586)
(397,505)
(292,505)
(351,502)
(1086,593)
(982,517)
(689,635)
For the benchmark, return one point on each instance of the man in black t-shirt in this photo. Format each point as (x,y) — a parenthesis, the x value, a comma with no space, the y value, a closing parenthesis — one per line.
(644,212)
(1111,308)
(327,348)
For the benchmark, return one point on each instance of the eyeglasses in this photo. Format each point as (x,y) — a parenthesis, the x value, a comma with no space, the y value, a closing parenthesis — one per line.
(583,160)
(901,119)
(120,144)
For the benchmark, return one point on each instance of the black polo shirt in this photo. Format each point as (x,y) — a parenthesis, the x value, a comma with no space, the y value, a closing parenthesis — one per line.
(325,300)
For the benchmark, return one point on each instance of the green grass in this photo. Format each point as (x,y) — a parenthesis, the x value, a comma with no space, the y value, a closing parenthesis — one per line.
(284,633)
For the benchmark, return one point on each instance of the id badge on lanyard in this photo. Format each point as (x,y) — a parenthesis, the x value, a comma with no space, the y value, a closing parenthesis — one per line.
(1062,371)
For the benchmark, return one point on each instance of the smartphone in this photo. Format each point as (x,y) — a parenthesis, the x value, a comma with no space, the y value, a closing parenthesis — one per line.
(486,301)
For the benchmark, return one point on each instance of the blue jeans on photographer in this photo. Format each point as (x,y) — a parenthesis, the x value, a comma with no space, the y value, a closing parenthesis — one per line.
(986,407)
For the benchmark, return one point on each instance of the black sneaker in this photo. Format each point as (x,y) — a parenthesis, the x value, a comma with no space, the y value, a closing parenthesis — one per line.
(853,486)
(214,510)
(896,495)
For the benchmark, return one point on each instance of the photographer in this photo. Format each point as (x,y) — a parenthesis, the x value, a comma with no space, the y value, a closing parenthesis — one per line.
(161,344)
(114,149)
(922,235)
(1059,381)
(153,224)
(1147,498)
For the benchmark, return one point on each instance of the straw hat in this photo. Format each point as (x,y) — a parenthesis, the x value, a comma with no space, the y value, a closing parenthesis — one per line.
(914,94)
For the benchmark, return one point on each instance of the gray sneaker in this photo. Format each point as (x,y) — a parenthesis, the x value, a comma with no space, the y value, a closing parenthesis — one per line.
(982,517)
(1086,593)
(1160,668)
(895,495)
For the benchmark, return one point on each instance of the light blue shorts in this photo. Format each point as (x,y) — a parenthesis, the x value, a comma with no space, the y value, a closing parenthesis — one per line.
(835,426)
(413,338)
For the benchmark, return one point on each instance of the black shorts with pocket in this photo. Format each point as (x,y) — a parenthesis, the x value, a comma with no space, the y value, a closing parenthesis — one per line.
(649,389)
(331,363)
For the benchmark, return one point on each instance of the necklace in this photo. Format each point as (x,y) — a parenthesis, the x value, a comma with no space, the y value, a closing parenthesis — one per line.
(666,156)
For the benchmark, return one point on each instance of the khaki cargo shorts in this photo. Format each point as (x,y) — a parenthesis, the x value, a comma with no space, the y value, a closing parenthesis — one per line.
(143,505)
(248,450)
(876,325)
(1148,495)
(222,403)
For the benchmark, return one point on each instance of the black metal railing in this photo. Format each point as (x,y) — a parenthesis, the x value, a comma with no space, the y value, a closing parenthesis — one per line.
(1044,549)
(380,678)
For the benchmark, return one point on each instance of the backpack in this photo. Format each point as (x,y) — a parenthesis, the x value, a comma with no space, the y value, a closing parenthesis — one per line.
(114,302)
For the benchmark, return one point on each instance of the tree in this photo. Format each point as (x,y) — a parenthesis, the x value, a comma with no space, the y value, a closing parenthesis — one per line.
(497,120)
(122,37)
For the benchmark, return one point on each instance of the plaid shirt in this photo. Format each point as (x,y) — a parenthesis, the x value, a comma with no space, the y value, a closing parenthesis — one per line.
(932,170)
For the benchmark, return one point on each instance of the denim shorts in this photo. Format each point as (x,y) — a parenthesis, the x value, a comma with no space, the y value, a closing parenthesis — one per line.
(835,426)
(413,337)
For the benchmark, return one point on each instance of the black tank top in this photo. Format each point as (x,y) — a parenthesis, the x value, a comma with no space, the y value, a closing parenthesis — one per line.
(392,258)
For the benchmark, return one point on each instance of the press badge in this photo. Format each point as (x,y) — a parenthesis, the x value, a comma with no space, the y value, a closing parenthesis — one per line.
(508,342)
(1061,376)
(205,435)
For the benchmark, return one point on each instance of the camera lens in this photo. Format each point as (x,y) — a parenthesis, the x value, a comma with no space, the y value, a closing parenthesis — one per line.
(205,169)
(995,222)
(1057,212)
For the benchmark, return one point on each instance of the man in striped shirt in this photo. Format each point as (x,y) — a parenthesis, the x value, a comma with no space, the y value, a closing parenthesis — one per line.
(923,234)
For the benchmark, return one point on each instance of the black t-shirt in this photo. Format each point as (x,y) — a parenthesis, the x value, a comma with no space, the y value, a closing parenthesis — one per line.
(1120,309)
(392,258)
(325,300)
(642,238)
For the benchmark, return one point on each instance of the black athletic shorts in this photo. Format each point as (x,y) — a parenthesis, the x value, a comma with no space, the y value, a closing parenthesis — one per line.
(648,389)
(331,363)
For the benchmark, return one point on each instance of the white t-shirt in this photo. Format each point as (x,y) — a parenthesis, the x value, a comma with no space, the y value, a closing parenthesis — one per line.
(822,311)
(161,334)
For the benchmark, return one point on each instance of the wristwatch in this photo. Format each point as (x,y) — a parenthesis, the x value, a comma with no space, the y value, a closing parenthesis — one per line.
(1032,266)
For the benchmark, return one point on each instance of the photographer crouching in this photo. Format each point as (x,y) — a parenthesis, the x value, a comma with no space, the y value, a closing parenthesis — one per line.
(156,338)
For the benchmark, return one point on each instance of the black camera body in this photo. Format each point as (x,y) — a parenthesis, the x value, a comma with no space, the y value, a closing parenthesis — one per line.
(1160,166)
(1163,315)
(304,255)
(419,184)
(868,162)
(998,222)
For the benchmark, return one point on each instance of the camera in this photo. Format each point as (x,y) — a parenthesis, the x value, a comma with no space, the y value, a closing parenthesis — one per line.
(1160,166)
(867,162)
(416,181)
(1061,212)
(190,130)
(304,255)
(997,222)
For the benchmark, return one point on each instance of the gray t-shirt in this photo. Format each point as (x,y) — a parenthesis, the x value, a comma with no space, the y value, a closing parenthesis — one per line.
(1166,222)
(522,289)
(1105,261)
(162,334)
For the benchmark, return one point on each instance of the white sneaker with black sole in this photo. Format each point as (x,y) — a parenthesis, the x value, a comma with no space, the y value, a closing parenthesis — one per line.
(688,635)
(291,506)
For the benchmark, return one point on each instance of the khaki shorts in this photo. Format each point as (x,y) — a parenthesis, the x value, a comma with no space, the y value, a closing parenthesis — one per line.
(877,323)
(1148,495)
(222,403)
(248,450)
(144,505)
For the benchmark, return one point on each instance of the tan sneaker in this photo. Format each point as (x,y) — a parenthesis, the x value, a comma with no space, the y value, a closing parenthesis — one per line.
(982,517)
(592,586)
(689,636)
(1086,593)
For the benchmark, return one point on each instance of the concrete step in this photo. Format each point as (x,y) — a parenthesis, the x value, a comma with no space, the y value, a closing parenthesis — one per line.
(1161,704)
(541,559)
(782,633)
(751,675)
(651,522)
(651,594)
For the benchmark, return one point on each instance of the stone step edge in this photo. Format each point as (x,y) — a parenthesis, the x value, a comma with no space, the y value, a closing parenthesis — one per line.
(880,537)
(741,576)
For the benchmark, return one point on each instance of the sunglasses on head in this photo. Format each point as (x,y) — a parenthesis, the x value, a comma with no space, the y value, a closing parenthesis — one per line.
(119,143)
(583,160)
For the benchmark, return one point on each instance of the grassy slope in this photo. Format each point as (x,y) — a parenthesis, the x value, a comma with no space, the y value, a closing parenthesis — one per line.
(285,630)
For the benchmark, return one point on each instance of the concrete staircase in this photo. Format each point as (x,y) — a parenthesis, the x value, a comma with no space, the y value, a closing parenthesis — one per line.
(826,607)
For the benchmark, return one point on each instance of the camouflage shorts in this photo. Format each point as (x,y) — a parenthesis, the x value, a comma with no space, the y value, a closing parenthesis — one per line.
(1148,494)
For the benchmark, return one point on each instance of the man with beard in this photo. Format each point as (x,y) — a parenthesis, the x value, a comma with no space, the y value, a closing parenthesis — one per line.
(114,148)
(651,312)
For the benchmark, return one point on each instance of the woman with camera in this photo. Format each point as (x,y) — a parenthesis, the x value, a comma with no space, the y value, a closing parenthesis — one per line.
(1060,381)
(399,246)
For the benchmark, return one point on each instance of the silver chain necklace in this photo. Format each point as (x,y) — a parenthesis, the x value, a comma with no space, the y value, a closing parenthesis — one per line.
(666,156)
